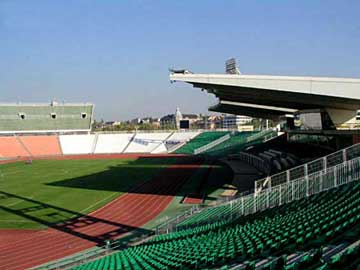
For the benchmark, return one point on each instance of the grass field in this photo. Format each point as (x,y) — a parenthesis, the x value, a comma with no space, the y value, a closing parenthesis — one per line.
(50,191)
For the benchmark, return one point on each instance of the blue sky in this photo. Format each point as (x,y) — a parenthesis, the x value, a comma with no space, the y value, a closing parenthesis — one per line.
(116,53)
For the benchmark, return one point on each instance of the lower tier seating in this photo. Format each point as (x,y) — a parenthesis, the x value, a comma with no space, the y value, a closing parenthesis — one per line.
(77,144)
(305,224)
(41,145)
(11,147)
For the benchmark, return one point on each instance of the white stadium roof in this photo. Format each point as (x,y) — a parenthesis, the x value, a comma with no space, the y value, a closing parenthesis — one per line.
(271,96)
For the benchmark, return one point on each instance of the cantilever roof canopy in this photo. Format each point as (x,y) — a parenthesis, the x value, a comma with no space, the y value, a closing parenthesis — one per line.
(276,95)
(267,112)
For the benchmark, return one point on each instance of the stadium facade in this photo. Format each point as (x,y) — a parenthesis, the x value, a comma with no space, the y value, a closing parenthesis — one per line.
(46,118)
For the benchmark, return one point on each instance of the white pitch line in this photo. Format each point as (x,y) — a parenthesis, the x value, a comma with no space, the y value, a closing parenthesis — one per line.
(98,202)
(19,221)
(17,202)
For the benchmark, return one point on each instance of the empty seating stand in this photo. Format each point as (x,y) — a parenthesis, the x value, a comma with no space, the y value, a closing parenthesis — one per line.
(304,224)
(112,143)
(178,139)
(148,142)
(200,140)
(238,142)
(52,145)
(77,144)
(41,145)
(11,147)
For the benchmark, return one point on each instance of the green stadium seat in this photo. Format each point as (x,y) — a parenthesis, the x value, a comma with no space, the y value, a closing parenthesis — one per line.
(200,140)
(313,221)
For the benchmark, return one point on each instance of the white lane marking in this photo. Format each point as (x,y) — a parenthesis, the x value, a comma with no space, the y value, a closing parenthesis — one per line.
(98,202)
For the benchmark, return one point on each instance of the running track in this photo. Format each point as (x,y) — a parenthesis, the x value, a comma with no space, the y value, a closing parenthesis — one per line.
(129,211)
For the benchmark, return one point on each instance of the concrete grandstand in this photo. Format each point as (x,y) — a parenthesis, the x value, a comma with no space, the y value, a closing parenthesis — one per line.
(49,145)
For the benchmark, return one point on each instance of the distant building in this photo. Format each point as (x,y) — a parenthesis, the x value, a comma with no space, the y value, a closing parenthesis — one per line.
(174,120)
(135,121)
(235,121)
(168,120)
(155,122)
(178,117)
(215,121)
(210,122)
(112,123)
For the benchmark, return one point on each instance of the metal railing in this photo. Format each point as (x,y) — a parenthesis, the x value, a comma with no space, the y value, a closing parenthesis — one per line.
(263,135)
(349,154)
(86,255)
(254,161)
(313,183)
(170,224)
(331,177)
(308,168)
(212,144)
(296,189)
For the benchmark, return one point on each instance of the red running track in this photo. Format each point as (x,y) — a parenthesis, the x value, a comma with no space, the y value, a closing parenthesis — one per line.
(129,211)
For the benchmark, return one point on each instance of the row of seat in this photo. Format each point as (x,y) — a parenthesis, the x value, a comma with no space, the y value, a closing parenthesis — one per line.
(278,160)
(238,142)
(200,140)
(23,146)
(236,139)
(49,145)
(310,222)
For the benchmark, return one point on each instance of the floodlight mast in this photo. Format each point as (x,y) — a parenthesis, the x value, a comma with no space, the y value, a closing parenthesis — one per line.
(231,67)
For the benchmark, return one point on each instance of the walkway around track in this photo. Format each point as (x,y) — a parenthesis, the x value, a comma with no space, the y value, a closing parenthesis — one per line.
(127,212)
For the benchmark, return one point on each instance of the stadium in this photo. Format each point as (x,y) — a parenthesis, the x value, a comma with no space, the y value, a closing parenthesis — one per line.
(274,198)
(179,135)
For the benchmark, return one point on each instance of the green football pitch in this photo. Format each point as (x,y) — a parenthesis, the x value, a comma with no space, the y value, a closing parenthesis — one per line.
(33,196)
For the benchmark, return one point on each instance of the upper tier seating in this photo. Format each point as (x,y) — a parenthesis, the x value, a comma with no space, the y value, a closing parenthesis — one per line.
(112,143)
(147,142)
(11,147)
(41,145)
(311,222)
(200,140)
(45,117)
(236,139)
(239,141)
(77,144)
(178,137)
